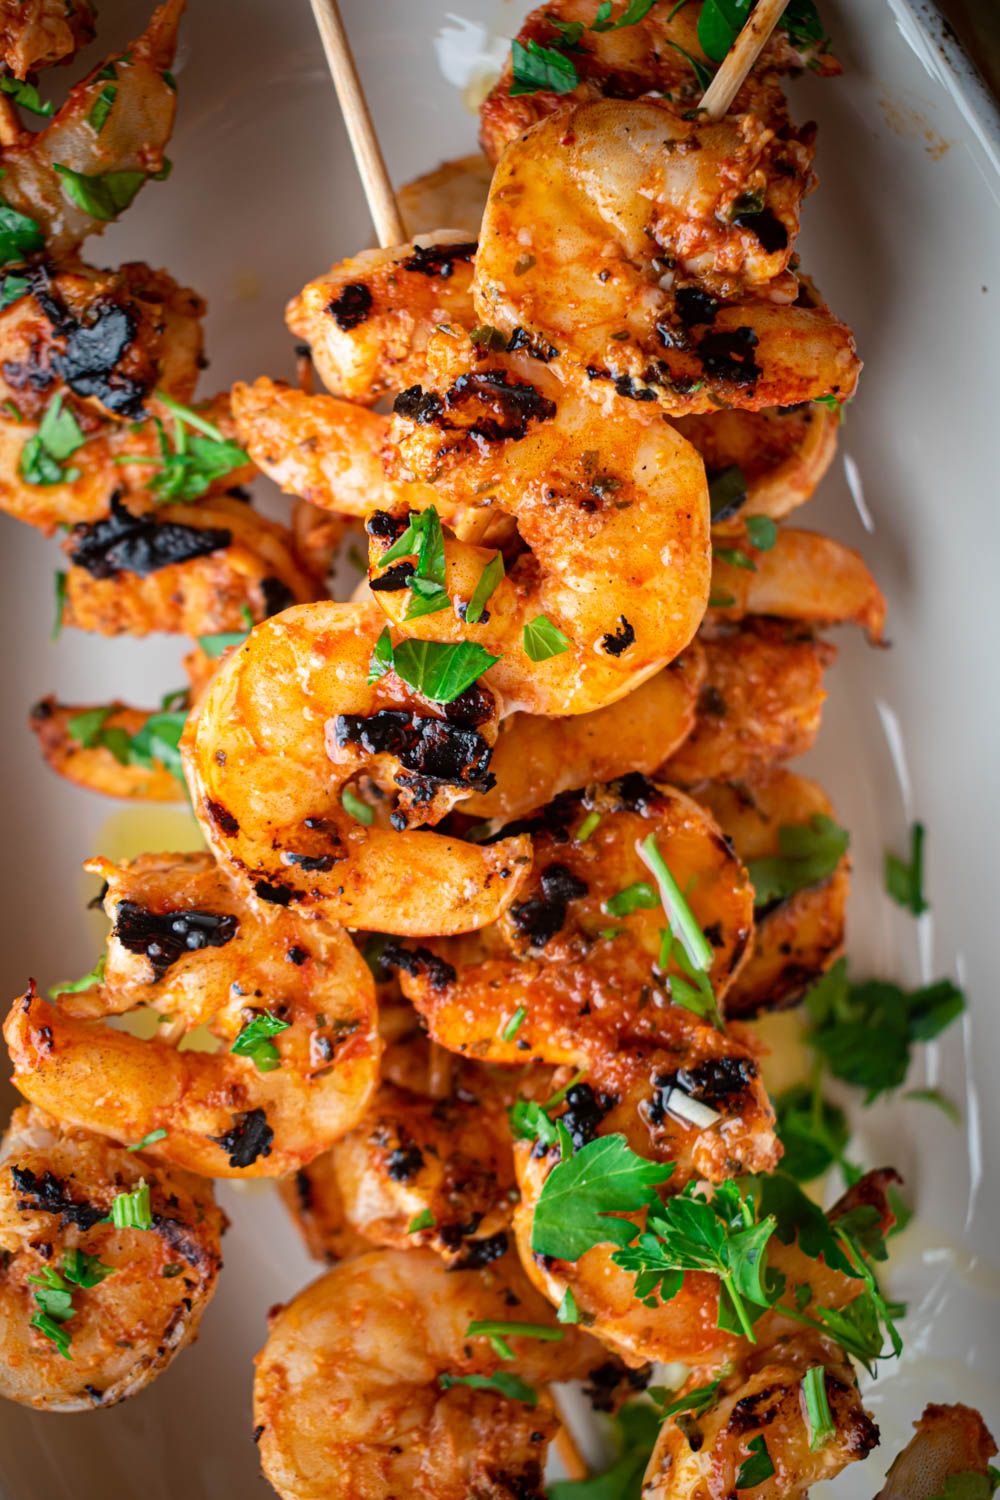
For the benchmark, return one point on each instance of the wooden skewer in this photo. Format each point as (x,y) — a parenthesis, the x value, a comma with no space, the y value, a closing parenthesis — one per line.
(741,57)
(357,118)
(572,1459)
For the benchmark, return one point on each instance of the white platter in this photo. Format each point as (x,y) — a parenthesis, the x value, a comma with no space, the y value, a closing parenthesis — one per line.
(904,238)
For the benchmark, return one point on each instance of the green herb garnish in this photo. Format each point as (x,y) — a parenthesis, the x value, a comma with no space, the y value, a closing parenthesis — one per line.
(76,986)
(423,1220)
(638,897)
(132,1210)
(808,854)
(696,1401)
(26,95)
(201,455)
(511,1386)
(499,1332)
(757,1467)
(762,532)
(818,1414)
(148,1140)
(483,591)
(535,68)
(510,1028)
(541,639)
(637,1427)
(359,810)
(904,879)
(438,671)
(603,1178)
(101,107)
(254,1041)
(43,455)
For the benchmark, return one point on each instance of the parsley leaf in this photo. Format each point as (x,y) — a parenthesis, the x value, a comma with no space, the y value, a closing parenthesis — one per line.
(54,1299)
(159,740)
(483,591)
(101,107)
(511,1386)
(26,95)
(818,1414)
(719,24)
(60,580)
(43,455)
(510,1028)
(679,914)
(441,672)
(762,532)
(254,1041)
(541,639)
(357,807)
(813,1132)
(808,854)
(535,67)
(638,897)
(604,1177)
(85,1270)
(702,73)
(199,458)
(904,880)
(866,1032)
(637,1427)
(149,1139)
(567,1311)
(215,645)
(423,1220)
(102,195)
(757,1467)
(19,235)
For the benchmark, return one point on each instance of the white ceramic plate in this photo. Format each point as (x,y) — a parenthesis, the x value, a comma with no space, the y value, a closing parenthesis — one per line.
(904,238)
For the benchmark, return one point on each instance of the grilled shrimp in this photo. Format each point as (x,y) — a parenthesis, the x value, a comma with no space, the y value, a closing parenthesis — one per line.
(184,944)
(577,960)
(646,57)
(324,450)
(362,1389)
(453,194)
(761,701)
(805,577)
(367,321)
(292,723)
(613,509)
(686,1327)
(191,569)
(780,454)
(615,243)
(797,938)
(444,1165)
(82,744)
(950,1440)
(39,33)
(137,1294)
(130,142)
(761,1396)
(536,758)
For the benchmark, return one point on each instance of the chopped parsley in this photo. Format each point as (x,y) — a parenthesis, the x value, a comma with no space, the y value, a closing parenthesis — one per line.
(535,68)
(215,645)
(19,235)
(201,455)
(44,455)
(424,539)
(904,879)
(567,1311)
(102,195)
(818,1415)
(511,1386)
(679,914)
(813,1132)
(101,107)
(587,827)
(483,591)
(865,1033)
(696,1401)
(26,95)
(757,1467)
(808,854)
(541,639)
(638,897)
(254,1041)
(423,1220)
(439,671)
(727,491)
(76,986)
(969,1486)
(60,580)
(603,1178)
(156,742)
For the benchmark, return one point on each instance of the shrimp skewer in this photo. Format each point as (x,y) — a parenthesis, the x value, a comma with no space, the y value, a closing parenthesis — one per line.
(142,1291)
(184,944)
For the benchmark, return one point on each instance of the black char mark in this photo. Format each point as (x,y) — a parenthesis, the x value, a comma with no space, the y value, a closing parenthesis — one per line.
(88,363)
(521,341)
(393,579)
(767,227)
(351,306)
(509,406)
(404,1162)
(543,915)
(617,642)
(222,817)
(249,1138)
(432,752)
(47,1195)
(695,305)
(728,356)
(482,1252)
(439,260)
(416,962)
(584,1112)
(277,596)
(124,543)
(636,793)
(163,937)
(717,1082)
